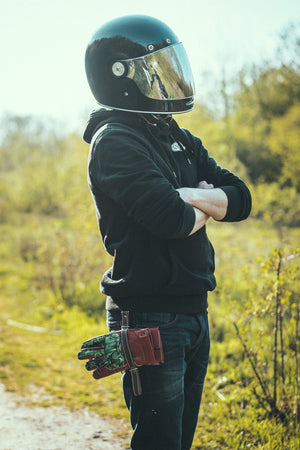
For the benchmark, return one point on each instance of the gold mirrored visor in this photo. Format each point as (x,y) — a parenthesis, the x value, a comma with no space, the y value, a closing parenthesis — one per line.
(162,75)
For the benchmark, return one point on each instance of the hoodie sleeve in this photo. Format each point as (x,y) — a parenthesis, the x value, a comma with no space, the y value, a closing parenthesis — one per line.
(121,167)
(239,197)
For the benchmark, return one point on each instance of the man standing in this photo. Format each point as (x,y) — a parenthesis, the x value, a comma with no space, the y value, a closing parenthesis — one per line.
(155,187)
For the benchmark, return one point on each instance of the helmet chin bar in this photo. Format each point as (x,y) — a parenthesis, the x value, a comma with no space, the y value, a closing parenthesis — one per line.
(177,107)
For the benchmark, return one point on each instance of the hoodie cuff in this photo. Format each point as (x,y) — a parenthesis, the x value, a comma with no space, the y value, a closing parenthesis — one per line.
(234,203)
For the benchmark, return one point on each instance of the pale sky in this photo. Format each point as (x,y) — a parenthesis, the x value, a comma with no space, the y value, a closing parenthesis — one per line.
(42,45)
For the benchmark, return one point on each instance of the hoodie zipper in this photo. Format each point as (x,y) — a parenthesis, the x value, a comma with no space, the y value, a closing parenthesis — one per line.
(183,150)
(167,152)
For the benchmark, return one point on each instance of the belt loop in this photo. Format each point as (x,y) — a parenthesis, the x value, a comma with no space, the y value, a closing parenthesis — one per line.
(125,319)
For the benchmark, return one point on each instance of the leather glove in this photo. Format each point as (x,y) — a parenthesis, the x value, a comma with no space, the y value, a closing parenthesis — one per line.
(121,350)
(103,350)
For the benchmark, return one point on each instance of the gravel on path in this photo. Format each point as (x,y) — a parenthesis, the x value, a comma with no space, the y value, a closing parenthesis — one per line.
(53,428)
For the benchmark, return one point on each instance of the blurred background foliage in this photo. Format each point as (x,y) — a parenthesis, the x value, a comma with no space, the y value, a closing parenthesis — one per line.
(52,259)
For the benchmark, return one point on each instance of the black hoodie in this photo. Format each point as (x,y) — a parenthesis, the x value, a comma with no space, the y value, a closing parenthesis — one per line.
(134,170)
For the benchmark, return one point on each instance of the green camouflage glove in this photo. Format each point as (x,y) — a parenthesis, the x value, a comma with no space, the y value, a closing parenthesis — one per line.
(104,350)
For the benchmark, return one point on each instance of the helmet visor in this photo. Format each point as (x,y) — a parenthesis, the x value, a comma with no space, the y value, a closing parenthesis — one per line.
(163,75)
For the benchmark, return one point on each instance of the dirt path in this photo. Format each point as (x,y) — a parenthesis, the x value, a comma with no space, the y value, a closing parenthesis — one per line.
(55,428)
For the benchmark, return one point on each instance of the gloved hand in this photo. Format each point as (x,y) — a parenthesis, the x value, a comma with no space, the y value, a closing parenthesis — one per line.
(101,351)
(118,351)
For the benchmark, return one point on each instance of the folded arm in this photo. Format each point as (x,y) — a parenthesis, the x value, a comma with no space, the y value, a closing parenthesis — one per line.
(206,201)
(211,201)
(200,220)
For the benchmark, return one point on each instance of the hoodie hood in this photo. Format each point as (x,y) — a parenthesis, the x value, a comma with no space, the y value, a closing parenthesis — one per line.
(96,118)
(158,129)
(103,116)
(100,117)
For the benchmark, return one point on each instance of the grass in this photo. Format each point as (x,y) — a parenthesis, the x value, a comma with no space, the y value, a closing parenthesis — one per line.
(41,365)
(46,357)
(45,362)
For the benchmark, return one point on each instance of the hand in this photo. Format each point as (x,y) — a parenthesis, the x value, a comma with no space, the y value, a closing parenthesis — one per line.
(189,195)
(204,185)
(103,350)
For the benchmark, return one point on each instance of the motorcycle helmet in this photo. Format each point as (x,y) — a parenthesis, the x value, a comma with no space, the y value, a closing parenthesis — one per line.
(136,63)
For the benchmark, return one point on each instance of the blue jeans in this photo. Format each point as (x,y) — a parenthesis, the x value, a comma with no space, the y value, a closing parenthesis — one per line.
(165,416)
